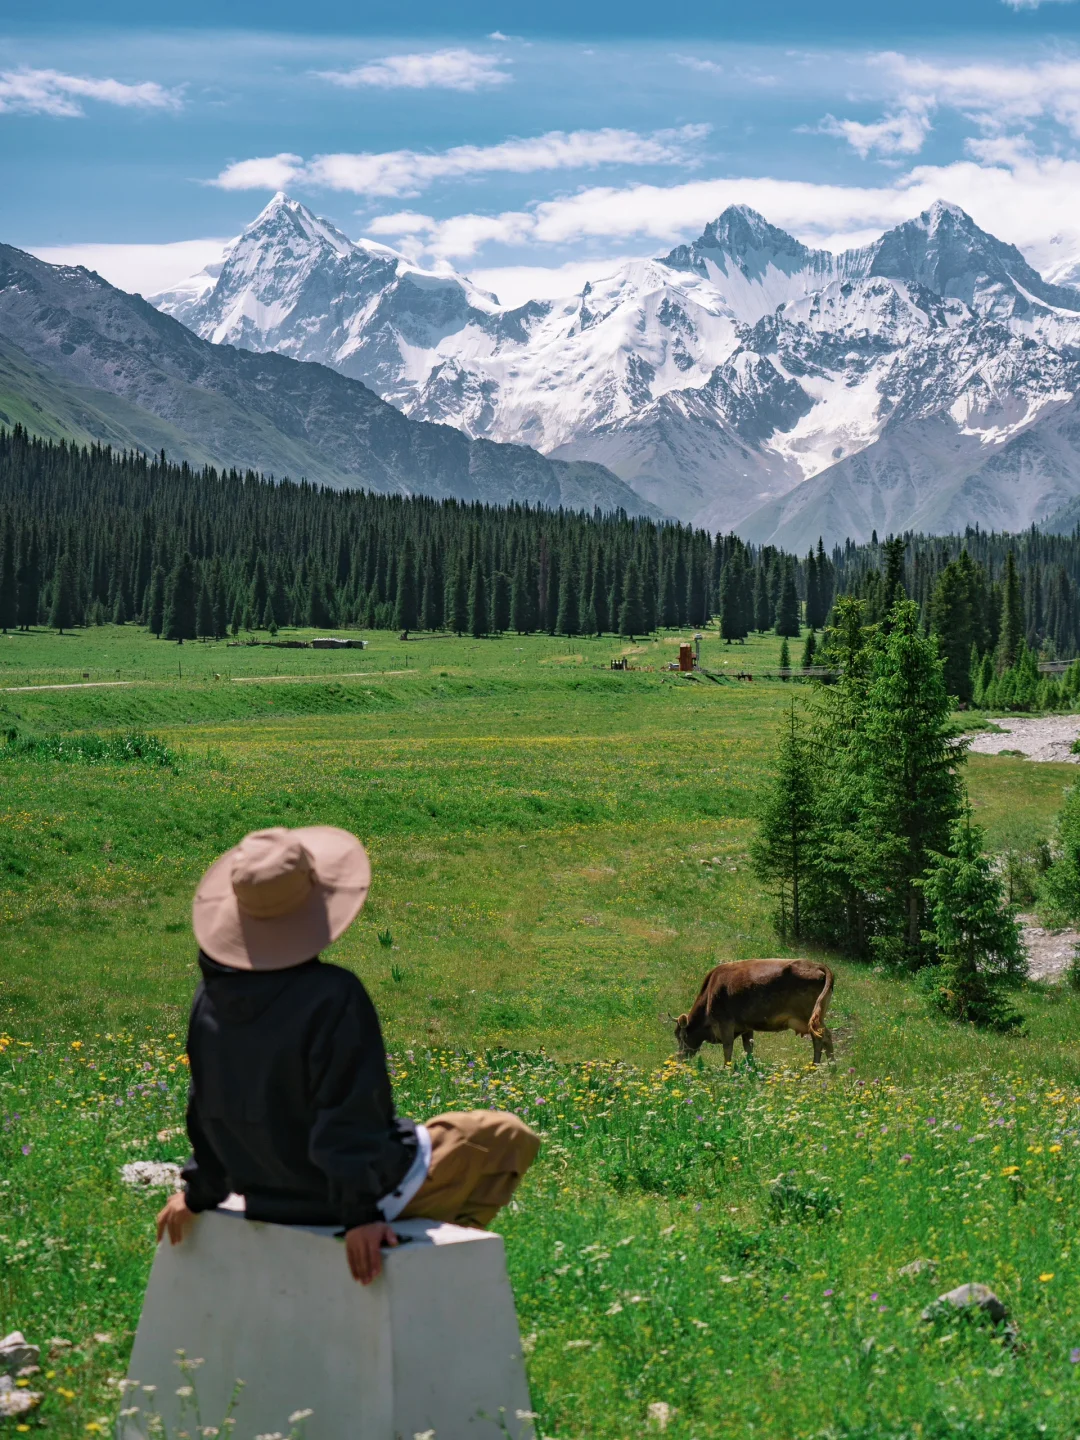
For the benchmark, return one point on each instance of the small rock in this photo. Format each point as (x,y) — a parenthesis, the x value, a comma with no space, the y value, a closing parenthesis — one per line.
(15,1353)
(14,1401)
(917,1267)
(972,1297)
(151,1174)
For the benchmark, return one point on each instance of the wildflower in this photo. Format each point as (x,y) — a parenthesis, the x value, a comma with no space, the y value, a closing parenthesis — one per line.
(827,1293)
(26,1149)
(1074,1355)
(905,1159)
(184,1391)
(1010,1169)
(298,1415)
(1046,1275)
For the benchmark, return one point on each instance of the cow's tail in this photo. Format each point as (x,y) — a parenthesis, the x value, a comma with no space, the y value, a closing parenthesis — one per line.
(817,1017)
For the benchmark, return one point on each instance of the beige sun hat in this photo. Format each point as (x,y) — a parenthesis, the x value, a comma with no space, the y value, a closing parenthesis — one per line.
(280,896)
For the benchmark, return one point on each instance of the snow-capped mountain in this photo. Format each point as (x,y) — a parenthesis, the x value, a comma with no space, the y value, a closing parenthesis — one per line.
(719,381)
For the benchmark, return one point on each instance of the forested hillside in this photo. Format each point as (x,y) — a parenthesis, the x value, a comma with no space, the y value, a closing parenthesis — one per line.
(90,534)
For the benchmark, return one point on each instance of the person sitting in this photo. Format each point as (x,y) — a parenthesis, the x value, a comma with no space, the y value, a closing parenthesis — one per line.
(290,1103)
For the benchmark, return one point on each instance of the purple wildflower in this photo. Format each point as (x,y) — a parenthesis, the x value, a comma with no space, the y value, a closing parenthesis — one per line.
(827,1293)
(26,1149)
(1074,1356)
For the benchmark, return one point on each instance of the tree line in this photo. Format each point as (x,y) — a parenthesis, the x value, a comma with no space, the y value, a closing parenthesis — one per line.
(89,534)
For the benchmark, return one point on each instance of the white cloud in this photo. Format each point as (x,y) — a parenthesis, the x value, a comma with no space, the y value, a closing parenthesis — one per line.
(900,133)
(993,95)
(436,70)
(271,172)
(140,269)
(704,67)
(1023,202)
(515,284)
(1032,4)
(407,172)
(50,92)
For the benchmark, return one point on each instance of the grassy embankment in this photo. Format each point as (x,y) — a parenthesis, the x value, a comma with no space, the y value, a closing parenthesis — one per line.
(538,827)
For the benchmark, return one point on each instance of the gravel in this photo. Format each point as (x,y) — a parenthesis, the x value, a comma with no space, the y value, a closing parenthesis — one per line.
(1043,737)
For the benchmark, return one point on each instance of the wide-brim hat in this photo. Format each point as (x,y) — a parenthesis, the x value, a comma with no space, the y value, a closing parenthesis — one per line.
(280,896)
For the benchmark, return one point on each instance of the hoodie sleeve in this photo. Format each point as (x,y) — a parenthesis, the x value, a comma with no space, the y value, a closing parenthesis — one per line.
(356,1141)
(205,1183)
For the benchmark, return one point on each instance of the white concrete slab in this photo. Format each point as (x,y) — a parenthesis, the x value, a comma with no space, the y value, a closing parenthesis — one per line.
(432,1345)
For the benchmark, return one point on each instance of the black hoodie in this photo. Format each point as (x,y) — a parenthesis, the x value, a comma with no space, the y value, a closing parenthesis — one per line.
(290,1102)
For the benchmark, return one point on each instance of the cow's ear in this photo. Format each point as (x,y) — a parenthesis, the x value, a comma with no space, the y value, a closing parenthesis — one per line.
(683,1020)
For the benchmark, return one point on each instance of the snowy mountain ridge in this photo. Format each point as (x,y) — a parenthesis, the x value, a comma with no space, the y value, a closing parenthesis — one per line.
(719,380)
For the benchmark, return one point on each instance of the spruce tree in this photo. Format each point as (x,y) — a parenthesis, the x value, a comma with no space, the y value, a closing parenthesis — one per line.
(809,650)
(783,849)
(407,605)
(9,582)
(1012,627)
(814,618)
(787,605)
(785,658)
(500,602)
(62,614)
(568,618)
(952,623)
(457,596)
(911,790)
(599,601)
(205,629)
(761,600)
(973,931)
(478,605)
(733,623)
(119,614)
(181,599)
(30,578)
(669,608)
(269,619)
(519,599)
(632,609)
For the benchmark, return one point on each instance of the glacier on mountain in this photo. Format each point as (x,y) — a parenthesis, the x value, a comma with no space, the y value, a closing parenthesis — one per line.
(741,381)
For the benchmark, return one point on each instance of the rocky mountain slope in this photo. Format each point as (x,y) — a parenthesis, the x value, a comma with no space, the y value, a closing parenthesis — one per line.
(81,358)
(741,380)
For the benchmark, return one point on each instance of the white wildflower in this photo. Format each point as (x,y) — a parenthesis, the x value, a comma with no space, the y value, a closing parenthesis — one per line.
(660,1413)
(298,1415)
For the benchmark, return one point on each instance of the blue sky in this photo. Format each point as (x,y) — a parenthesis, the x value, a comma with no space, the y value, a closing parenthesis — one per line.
(534,137)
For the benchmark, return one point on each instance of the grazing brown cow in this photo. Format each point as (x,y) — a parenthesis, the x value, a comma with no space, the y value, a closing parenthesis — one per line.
(750,995)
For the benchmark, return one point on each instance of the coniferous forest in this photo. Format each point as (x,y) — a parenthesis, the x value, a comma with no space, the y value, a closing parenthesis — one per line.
(89,535)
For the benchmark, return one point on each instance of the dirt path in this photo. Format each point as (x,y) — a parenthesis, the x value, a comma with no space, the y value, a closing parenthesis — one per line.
(1041,737)
(1049,951)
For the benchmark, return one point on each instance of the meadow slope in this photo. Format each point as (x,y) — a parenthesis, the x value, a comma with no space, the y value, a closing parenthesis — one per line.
(560,852)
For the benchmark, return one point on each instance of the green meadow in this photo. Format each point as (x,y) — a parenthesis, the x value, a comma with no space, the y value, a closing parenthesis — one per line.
(560,854)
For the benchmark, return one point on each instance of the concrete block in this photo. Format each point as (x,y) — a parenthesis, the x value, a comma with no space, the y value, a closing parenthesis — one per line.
(432,1345)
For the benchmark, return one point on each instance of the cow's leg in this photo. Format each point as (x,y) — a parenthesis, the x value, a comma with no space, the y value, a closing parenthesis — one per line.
(727,1040)
(826,1039)
(748,1042)
(817,1047)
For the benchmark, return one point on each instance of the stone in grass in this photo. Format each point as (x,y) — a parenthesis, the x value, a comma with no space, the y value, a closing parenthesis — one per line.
(977,1301)
(917,1267)
(15,1400)
(16,1354)
(151,1175)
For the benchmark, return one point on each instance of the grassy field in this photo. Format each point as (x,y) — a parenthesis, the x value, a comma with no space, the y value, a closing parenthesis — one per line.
(560,853)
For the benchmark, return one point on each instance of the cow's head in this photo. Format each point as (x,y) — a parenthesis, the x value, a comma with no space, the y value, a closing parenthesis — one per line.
(686,1045)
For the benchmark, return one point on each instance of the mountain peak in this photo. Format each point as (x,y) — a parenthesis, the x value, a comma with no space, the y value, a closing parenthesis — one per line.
(283,215)
(947,252)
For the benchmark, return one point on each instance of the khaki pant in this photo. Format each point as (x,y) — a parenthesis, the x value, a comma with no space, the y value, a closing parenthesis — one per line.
(477,1160)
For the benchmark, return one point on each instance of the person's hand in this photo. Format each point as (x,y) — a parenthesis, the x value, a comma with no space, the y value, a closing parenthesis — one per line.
(363,1244)
(176,1218)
